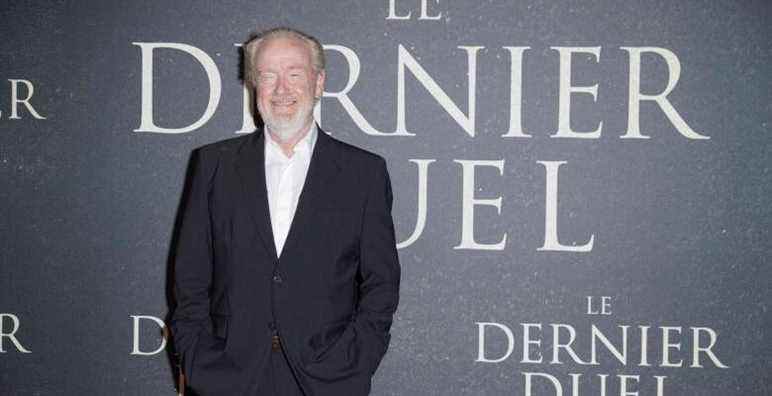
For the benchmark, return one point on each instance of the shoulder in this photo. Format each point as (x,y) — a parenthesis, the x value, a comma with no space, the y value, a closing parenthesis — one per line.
(224,147)
(354,155)
(207,159)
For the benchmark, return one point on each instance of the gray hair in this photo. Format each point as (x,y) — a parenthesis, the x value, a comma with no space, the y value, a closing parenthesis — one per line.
(252,46)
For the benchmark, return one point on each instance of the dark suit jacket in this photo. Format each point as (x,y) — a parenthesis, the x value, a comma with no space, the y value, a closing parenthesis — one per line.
(330,296)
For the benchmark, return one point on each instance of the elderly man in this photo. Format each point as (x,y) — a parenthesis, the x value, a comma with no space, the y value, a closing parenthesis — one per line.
(286,270)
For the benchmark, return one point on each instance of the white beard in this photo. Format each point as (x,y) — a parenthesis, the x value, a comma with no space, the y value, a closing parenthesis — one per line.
(285,128)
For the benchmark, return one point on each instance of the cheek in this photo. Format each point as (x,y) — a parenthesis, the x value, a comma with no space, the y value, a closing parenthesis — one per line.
(264,99)
(310,91)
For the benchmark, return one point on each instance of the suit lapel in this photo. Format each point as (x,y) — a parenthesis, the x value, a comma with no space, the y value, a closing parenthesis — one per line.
(323,168)
(251,168)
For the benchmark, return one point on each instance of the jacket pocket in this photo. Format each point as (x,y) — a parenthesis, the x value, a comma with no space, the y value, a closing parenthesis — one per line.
(325,341)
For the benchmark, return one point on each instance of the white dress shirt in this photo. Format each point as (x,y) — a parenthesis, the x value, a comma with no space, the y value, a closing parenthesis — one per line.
(284,177)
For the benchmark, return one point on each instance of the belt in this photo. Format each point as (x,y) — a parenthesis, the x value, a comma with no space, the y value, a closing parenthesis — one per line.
(275,343)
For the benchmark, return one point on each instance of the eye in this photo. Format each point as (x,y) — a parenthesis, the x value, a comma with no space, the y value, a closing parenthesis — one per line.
(267,77)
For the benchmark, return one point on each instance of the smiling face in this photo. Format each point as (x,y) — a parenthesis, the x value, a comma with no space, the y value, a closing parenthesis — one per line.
(287,86)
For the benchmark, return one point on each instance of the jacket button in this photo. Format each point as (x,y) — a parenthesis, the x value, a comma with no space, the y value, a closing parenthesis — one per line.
(277,278)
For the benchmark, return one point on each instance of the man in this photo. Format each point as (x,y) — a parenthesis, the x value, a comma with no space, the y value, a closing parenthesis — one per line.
(287,274)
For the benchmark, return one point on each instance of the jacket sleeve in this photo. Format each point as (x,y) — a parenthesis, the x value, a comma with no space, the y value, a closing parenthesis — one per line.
(358,351)
(379,271)
(193,261)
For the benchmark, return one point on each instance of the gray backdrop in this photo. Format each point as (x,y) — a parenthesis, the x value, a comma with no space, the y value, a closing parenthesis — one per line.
(677,211)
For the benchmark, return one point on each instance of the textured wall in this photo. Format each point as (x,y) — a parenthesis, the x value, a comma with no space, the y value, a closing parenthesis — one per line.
(536,229)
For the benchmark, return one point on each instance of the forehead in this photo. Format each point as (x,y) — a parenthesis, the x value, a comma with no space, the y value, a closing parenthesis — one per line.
(283,52)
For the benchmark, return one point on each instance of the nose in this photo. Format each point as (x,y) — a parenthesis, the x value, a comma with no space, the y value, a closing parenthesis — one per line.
(282,85)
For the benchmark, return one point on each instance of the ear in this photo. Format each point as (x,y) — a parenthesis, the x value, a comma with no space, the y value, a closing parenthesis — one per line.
(319,84)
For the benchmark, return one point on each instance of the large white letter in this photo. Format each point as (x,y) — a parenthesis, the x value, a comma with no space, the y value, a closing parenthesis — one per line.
(425,11)
(353,75)
(213,75)
(623,384)
(405,60)
(598,335)
(159,322)
(557,345)
(667,346)
(527,341)
(468,202)
(555,383)
(660,384)
(516,92)
(636,97)
(551,242)
(423,181)
(481,342)
(11,336)
(696,348)
(393,11)
(566,89)
(15,99)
